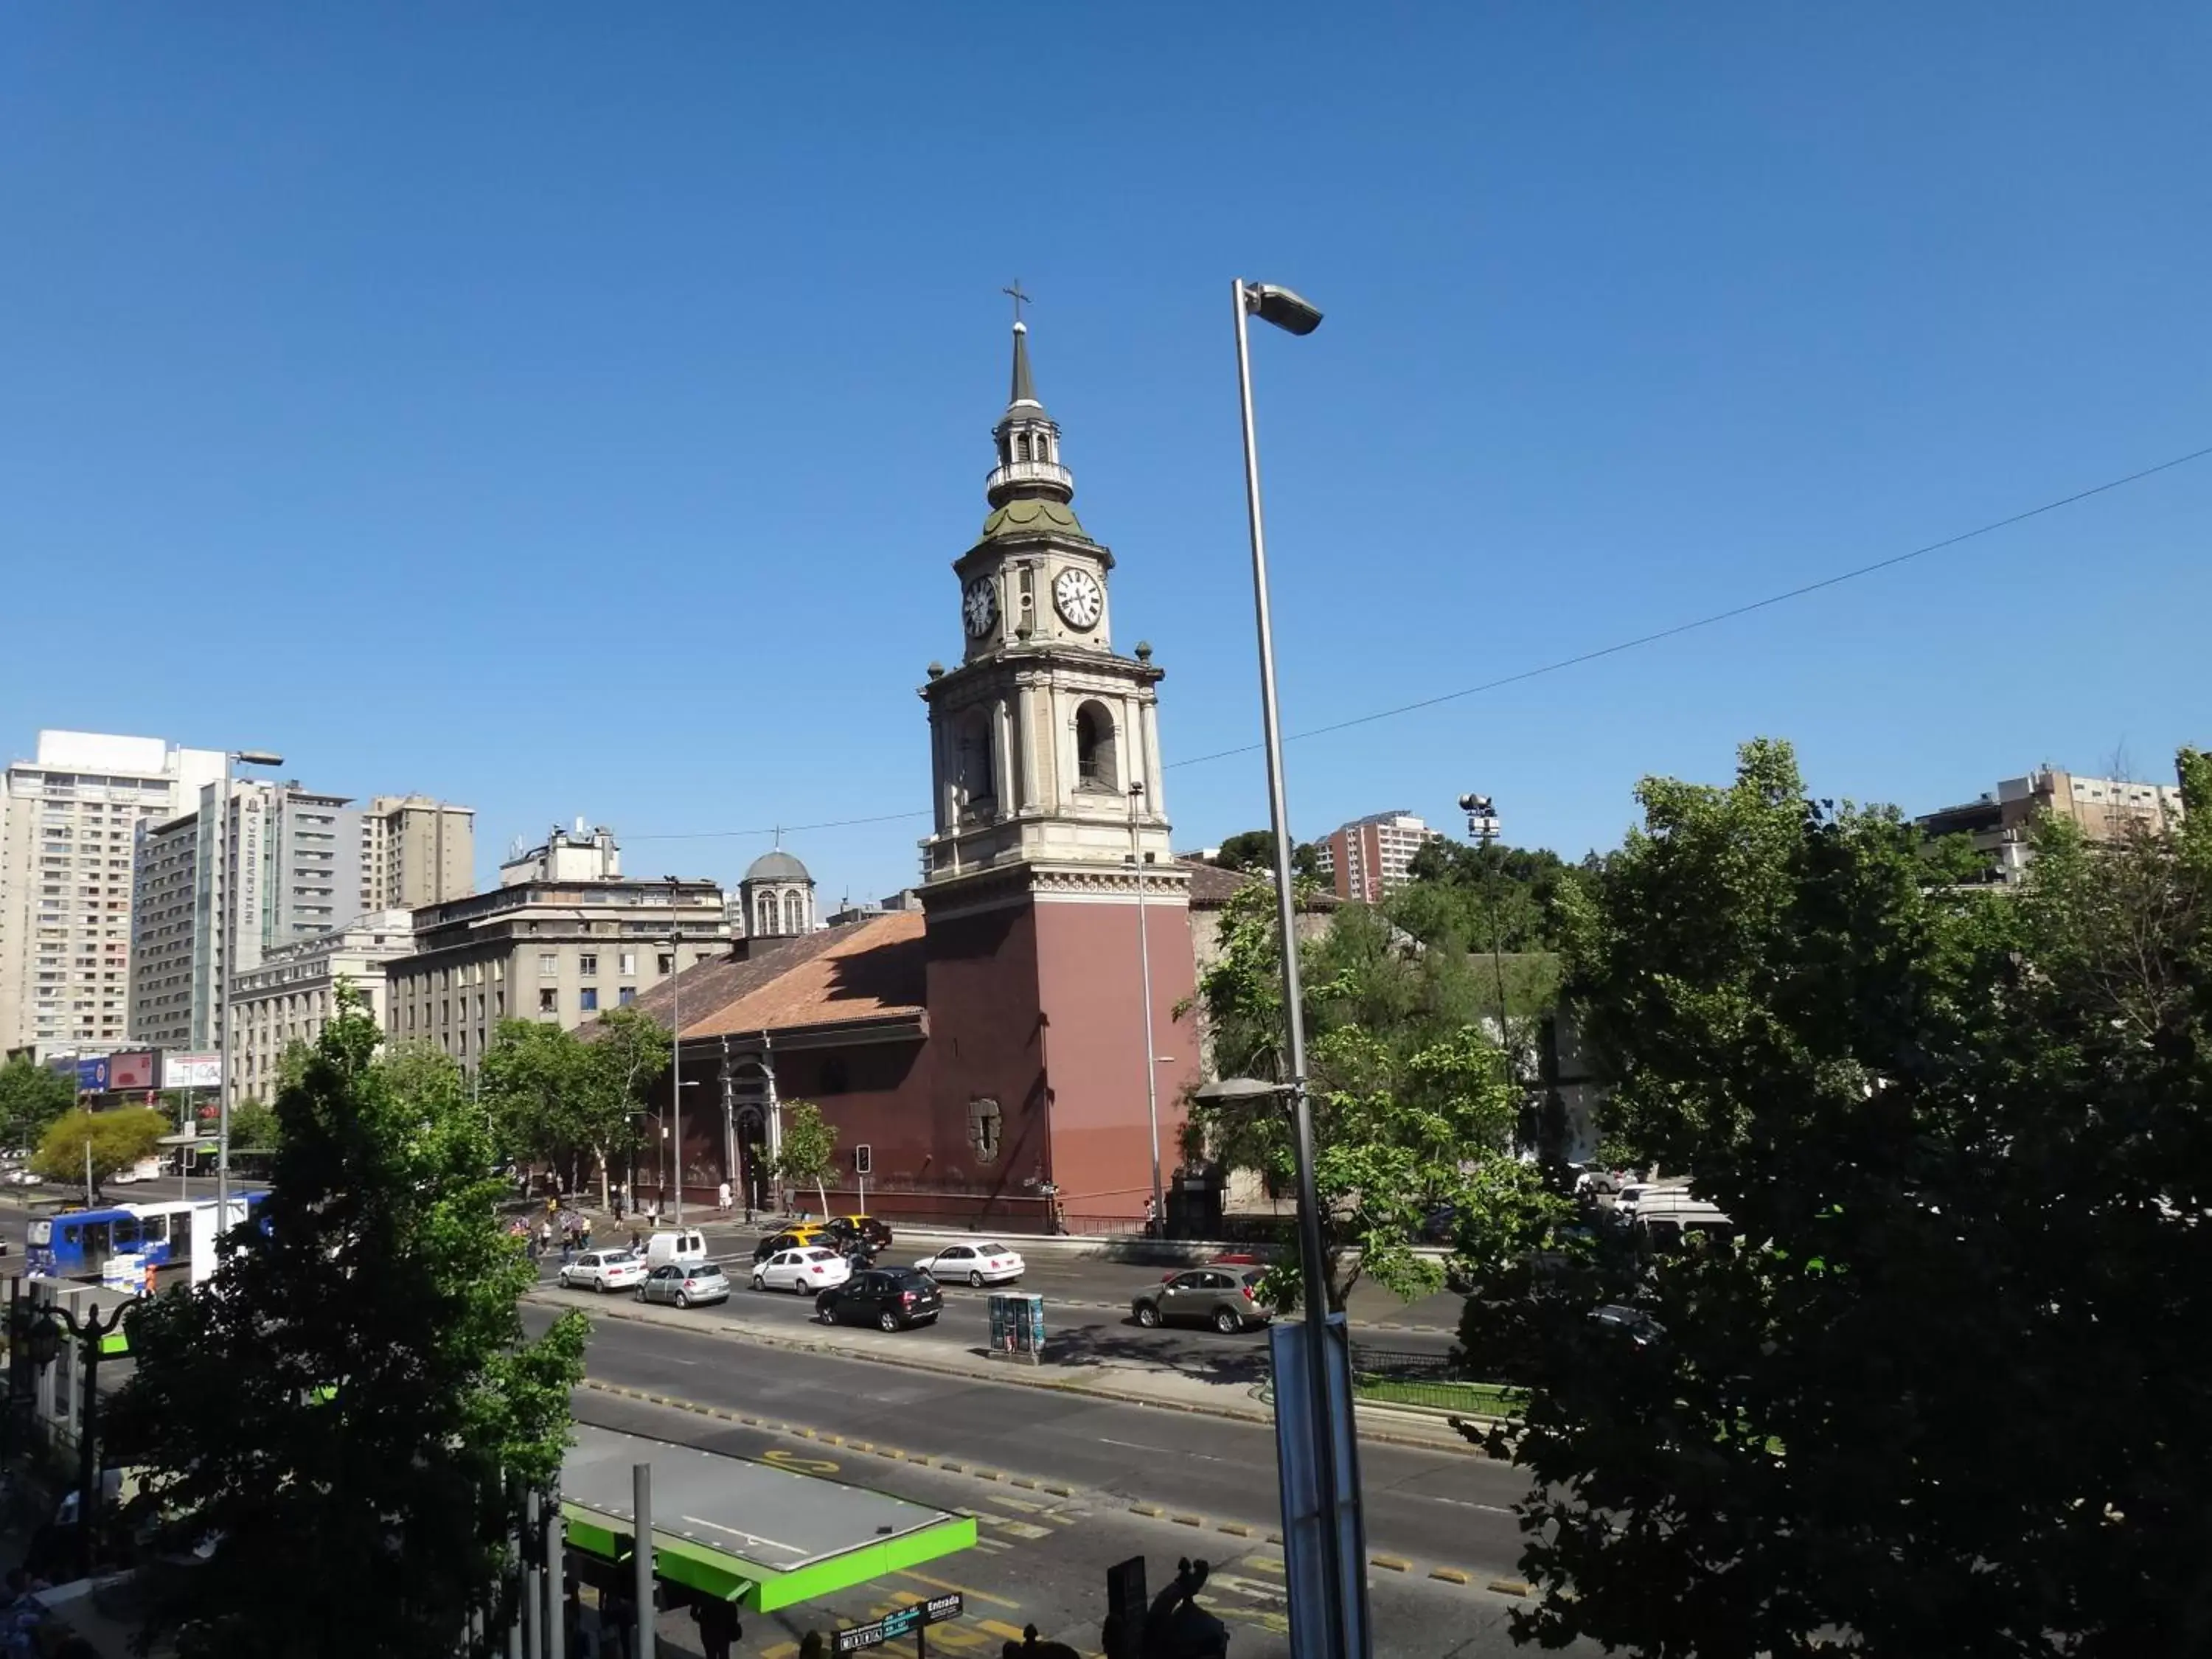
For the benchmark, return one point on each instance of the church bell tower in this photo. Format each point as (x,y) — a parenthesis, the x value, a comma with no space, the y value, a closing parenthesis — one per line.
(1044,740)
(1058,937)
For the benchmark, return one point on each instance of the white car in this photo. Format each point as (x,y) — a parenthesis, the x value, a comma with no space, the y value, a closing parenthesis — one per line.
(987,1263)
(805,1271)
(602,1271)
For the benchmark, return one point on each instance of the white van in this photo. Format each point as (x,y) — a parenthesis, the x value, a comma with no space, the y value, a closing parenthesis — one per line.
(686,1246)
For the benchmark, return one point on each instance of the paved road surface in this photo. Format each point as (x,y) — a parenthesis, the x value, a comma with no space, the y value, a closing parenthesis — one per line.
(1041,1559)
(1434,1509)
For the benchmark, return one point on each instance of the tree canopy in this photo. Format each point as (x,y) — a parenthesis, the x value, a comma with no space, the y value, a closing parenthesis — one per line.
(1483,898)
(810,1147)
(338,1410)
(1412,1111)
(557,1096)
(119,1139)
(32,1096)
(1255,850)
(1940,1392)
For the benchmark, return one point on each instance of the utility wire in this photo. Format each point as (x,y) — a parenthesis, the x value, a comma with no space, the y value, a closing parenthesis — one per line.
(1575,661)
(1619,646)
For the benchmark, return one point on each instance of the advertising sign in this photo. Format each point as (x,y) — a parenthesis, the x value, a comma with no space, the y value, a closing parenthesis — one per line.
(907,1620)
(192,1071)
(92,1075)
(132,1071)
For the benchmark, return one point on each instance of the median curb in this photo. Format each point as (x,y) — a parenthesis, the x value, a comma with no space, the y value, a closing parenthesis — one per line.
(1464,1578)
(1371,1425)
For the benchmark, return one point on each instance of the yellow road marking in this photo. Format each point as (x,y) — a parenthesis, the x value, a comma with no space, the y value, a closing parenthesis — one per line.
(1265,1563)
(947,1584)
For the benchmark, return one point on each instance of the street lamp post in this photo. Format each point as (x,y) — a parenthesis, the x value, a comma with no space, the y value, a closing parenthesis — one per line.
(1145,977)
(226,940)
(1292,313)
(1482,829)
(675,1035)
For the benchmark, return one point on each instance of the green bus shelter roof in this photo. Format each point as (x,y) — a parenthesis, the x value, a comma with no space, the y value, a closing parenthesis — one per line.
(748,1531)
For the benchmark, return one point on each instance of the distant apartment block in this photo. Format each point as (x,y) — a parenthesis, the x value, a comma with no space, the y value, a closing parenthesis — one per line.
(293,865)
(1370,858)
(69,820)
(563,938)
(2104,808)
(293,994)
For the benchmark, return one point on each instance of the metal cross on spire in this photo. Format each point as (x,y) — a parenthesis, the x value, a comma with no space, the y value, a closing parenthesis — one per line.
(1019,299)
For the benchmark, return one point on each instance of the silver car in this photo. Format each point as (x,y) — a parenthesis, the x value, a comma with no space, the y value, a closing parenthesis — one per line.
(684,1284)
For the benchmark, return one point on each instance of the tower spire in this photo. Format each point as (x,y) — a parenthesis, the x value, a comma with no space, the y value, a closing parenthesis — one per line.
(1027,439)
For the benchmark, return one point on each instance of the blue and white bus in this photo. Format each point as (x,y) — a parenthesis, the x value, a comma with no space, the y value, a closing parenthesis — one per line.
(178,1236)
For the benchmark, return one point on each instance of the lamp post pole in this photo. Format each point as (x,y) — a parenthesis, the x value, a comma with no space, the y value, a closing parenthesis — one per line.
(1145,978)
(676,1037)
(222,896)
(1246,299)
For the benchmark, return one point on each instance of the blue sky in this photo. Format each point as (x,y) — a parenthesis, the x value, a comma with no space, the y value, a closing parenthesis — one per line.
(575,409)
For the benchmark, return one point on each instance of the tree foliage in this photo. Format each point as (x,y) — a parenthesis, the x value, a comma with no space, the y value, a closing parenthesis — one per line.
(1412,1111)
(1483,898)
(810,1147)
(119,1139)
(556,1095)
(1942,1394)
(32,1096)
(1254,850)
(338,1409)
(252,1126)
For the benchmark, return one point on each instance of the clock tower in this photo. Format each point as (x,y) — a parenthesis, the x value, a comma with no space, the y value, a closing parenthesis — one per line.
(1056,915)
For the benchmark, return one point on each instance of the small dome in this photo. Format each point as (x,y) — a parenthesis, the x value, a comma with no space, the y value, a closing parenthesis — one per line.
(777,866)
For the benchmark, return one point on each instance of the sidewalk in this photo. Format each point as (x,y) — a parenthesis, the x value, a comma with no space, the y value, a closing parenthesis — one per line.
(1120,1380)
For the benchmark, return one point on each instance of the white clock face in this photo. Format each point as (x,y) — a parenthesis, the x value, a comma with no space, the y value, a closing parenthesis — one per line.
(1076,596)
(979,606)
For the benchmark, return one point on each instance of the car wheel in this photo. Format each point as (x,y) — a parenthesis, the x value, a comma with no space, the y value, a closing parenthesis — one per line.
(1148,1315)
(887,1320)
(640,1293)
(759,1284)
(797,1288)
(1226,1322)
(682,1299)
(975,1281)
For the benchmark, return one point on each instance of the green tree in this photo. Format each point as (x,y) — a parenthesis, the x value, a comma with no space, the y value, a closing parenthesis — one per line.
(252,1126)
(559,1095)
(1413,1111)
(1941,1390)
(336,1414)
(810,1147)
(1483,898)
(629,1049)
(1254,850)
(31,1097)
(118,1138)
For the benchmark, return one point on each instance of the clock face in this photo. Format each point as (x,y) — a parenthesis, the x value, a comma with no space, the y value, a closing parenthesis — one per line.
(979,606)
(1076,596)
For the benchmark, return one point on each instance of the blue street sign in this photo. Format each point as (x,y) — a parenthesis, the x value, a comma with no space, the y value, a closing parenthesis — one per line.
(903,1622)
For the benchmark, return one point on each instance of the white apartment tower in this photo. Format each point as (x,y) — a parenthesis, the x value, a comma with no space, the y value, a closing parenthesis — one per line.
(69,820)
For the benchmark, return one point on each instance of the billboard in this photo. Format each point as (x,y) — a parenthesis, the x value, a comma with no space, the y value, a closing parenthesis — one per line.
(92,1075)
(192,1071)
(132,1071)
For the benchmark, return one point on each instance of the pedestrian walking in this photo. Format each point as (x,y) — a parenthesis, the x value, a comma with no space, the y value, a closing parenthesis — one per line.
(723,1193)
(1151,1217)
(717,1628)
(545,1237)
(637,1241)
(584,1235)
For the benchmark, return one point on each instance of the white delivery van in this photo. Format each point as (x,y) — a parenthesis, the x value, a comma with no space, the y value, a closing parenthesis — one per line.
(686,1246)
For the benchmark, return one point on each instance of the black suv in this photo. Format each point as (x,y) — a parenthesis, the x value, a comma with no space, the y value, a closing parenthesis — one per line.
(860,1229)
(890,1298)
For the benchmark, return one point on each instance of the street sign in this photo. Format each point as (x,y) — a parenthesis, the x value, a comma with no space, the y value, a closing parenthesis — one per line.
(864,1159)
(905,1621)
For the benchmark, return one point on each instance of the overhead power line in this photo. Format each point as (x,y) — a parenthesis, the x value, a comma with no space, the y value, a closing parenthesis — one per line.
(1575,661)
(1732,611)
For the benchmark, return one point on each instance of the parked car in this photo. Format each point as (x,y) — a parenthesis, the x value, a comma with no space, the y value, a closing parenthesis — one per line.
(987,1263)
(604,1271)
(890,1298)
(1593,1180)
(22,1178)
(1640,1327)
(684,1284)
(1225,1299)
(811,1267)
(860,1229)
(800,1238)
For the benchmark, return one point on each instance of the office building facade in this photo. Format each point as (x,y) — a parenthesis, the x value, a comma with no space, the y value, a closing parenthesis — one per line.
(293,994)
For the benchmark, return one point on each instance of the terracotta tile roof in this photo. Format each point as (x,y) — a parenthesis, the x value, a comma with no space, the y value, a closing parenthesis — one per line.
(871,971)
(1211,887)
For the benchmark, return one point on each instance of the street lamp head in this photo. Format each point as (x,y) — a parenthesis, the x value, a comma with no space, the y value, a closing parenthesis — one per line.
(1239,1090)
(256,757)
(1285,308)
(1477,804)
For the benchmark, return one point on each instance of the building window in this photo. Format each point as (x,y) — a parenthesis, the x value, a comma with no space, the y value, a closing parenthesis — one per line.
(588,965)
(626,995)
(985,1128)
(628,959)
(588,998)
(1097,765)
(549,1001)
(793,920)
(667,963)
(548,962)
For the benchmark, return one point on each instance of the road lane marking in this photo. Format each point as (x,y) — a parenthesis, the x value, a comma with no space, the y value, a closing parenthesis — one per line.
(797,1464)
(749,1537)
(964,1590)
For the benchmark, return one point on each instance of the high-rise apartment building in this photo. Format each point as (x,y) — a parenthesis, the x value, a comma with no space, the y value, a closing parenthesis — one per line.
(2000,824)
(420,852)
(1370,858)
(69,820)
(294,865)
